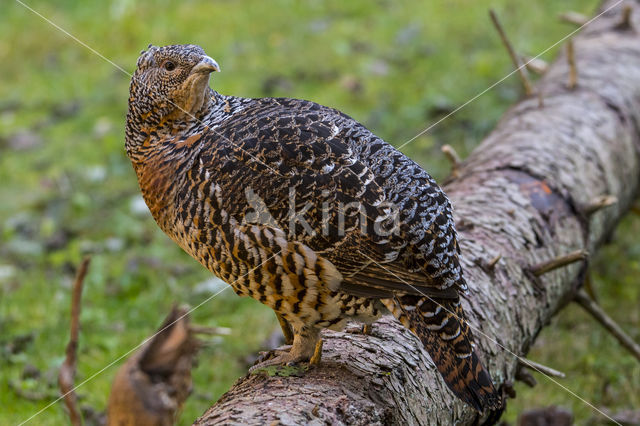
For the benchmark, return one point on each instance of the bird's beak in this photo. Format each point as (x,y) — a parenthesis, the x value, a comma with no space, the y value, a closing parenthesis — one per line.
(206,65)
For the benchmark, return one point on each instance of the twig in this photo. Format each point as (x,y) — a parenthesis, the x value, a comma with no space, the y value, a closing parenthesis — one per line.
(588,286)
(625,22)
(523,375)
(453,158)
(535,65)
(558,262)
(540,368)
(68,368)
(508,389)
(213,331)
(592,307)
(573,71)
(492,263)
(575,18)
(600,203)
(540,100)
(522,73)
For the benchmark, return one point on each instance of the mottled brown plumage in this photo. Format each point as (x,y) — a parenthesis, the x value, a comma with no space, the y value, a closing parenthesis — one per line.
(302,208)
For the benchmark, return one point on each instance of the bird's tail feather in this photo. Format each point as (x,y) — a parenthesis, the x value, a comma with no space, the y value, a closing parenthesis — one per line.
(443,330)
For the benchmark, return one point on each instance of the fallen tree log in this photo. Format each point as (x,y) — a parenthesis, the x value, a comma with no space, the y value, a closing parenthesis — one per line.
(530,193)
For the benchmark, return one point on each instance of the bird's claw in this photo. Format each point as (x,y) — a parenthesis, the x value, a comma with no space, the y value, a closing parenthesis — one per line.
(264,356)
(282,364)
(284,358)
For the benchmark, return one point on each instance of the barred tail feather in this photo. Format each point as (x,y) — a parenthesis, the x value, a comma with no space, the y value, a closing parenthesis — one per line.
(446,336)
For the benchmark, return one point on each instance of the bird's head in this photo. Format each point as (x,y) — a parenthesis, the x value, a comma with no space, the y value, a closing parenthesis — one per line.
(170,82)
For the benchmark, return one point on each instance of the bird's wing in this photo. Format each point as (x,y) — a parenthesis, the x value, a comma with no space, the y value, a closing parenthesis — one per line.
(282,168)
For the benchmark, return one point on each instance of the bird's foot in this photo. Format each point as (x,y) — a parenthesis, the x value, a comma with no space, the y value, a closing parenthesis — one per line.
(270,355)
(277,357)
(280,362)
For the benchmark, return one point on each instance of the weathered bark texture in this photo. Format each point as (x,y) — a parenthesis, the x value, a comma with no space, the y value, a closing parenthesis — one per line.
(522,194)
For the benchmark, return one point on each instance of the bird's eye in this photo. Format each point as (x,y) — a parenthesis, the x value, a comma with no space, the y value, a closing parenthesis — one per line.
(169,66)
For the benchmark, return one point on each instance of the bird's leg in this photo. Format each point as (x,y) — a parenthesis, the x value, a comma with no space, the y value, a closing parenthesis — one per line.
(305,343)
(365,329)
(317,353)
(287,330)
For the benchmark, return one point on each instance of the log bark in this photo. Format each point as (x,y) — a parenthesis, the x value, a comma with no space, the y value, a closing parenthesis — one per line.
(523,198)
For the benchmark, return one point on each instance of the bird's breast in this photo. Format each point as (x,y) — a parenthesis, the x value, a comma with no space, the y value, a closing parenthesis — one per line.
(157,179)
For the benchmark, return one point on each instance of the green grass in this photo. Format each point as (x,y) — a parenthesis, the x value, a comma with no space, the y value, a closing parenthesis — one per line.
(397,66)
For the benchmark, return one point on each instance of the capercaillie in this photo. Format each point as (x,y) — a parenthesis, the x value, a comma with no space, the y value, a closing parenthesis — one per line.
(302,208)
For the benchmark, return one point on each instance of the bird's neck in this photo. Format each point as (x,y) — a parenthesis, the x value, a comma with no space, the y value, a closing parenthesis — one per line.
(161,148)
(147,123)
